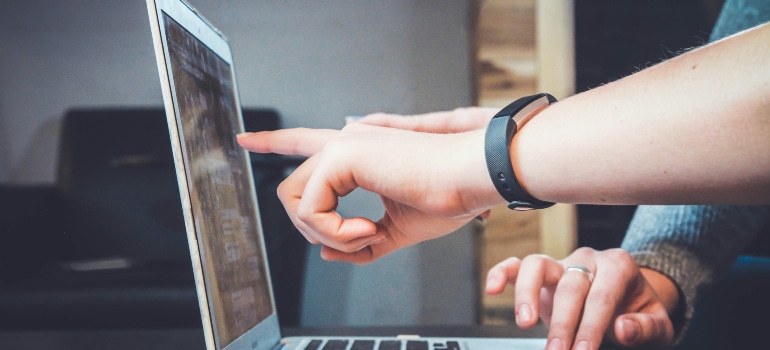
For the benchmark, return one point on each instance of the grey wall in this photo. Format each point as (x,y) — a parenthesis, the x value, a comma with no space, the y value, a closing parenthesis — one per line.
(314,61)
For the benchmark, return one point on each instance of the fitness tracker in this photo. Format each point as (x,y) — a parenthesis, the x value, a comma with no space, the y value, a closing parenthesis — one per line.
(497,145)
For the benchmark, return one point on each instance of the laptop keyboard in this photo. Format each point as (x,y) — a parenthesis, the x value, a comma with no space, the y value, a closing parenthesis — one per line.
(343,344)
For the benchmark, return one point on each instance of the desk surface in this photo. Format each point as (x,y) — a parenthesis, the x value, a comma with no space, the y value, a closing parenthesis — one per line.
(192,339)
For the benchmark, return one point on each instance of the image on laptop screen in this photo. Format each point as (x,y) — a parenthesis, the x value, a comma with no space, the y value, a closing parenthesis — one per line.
(222,202)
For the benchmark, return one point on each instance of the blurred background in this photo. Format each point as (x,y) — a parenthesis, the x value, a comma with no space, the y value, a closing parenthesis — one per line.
(315,62)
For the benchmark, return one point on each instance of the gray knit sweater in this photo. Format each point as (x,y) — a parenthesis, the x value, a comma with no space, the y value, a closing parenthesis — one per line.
(695,245)
(692,245)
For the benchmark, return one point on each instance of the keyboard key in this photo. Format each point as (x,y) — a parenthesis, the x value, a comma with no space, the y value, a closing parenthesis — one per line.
(336,345)
(313,344)
(417,345)
(363,345)
(390,345)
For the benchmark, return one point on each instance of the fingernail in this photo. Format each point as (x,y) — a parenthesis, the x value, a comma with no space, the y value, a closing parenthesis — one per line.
(583,345)
(242,134)
(524,315)
(555,344)
(631,329)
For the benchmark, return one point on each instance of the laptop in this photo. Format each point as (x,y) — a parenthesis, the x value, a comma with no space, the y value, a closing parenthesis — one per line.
(219,201)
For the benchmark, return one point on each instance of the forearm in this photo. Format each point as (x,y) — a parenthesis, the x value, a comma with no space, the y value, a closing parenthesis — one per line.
(693,129)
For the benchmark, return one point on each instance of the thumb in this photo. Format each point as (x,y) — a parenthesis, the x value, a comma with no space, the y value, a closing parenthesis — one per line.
(644,329)
(365,255)
(390,240)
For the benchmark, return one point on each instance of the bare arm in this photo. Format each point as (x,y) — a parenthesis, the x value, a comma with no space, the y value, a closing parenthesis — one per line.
(690,130)
(694,129)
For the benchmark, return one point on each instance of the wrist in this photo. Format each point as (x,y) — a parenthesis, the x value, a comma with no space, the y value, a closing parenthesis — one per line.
(473,183)
(501,151)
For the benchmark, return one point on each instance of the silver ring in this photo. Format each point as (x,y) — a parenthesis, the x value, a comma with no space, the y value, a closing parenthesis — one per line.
(582,269)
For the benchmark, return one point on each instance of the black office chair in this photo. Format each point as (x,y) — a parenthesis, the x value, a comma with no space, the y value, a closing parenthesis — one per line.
(105,247)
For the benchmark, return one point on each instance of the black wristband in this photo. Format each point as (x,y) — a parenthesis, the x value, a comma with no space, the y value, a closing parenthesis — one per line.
(497,145)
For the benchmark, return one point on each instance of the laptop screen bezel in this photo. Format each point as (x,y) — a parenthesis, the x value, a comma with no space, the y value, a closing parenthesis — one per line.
(266,334)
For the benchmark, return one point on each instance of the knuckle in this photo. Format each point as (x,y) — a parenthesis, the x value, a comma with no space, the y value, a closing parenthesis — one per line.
(656,329)
(584,252)
(622,264)
(303,214)
(282,190)
(338,149)
(620,256)
(536,259)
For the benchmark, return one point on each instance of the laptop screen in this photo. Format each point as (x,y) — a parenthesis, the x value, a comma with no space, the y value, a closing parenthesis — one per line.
(221,194)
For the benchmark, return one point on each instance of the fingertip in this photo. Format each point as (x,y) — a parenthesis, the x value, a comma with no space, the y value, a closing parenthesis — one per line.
(525,316)
(325,256)
(492,290)
(628,330)
(241,138)
(324,252)
(246,140)
(644,329)
(494,283)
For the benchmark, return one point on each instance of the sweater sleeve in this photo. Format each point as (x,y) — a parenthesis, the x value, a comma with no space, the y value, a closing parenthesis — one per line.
(692,245)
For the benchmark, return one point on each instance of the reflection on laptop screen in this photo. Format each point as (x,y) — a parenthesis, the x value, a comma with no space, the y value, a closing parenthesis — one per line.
(222,201)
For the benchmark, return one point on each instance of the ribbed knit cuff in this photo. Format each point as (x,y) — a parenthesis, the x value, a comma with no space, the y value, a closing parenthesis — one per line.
(686,273)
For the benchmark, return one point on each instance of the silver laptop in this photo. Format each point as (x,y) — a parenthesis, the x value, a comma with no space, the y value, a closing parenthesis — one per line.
(224,232)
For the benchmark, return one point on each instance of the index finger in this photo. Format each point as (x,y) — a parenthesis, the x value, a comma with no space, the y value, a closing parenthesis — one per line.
(296,142)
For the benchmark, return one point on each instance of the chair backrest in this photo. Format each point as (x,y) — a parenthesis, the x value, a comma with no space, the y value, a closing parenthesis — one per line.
(119,187)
